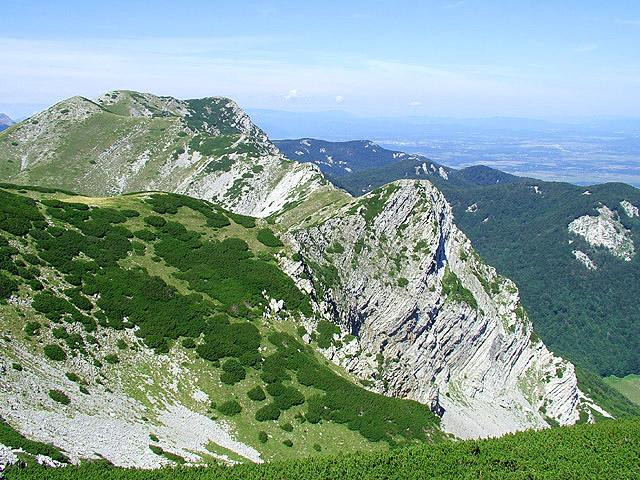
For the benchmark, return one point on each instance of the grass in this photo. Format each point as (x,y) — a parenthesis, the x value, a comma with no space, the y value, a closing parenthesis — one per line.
(629,386)
(605,450)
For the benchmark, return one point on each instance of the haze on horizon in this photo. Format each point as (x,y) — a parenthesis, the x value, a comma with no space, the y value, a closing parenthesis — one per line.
(450,58)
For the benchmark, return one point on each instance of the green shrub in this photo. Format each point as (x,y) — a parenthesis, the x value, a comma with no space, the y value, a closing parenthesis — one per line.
(325,332)
(262,436)
(335,247)
(226,339)
(32,328)
(146,235)
(230,408)
(13,439)
(79,300)
(287,443)
(245,221)
(112,358)
(455,291)
(256,394)
(268,412)
(287,427)
(60,397)
(155,221)
(17,367)
(233,372)
(73,377)
(54,352)
(153,437)
(317,447)
(188,343)
(267,237)
(290,397)
(8,286)
(275,389)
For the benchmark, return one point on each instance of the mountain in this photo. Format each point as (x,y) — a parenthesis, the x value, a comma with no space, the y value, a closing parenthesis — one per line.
(351,156)
(570,249)
(362,165)
(331,323)
(170,322)
(5,122)
(127,141)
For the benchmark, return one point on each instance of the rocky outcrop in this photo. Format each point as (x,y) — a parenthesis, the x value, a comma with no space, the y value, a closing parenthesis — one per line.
(584,259)
(630,209)
(429,320)
(606,231)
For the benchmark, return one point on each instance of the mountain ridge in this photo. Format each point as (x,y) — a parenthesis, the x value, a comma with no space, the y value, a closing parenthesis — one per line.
(464,323)
(5,121)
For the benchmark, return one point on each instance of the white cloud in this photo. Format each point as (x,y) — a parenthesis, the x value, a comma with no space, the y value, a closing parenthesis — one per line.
(414,103)
(453,4)
(292,95)
(588,47)
(628,21)
(339,99)
(253,72)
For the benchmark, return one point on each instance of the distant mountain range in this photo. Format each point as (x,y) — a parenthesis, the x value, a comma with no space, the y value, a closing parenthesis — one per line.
(5,122)
(573,251)
(343,126)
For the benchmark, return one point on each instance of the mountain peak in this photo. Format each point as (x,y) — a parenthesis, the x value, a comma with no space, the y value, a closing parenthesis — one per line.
(5,120)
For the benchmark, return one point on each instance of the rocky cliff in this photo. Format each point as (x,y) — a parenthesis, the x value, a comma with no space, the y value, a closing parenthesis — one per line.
(422,316)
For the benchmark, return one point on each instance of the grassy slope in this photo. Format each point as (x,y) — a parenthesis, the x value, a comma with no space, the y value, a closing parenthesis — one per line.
(606,450)
(629,386)
(147,380)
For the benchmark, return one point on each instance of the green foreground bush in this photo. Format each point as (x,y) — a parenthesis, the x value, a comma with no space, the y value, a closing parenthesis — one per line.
(606,450)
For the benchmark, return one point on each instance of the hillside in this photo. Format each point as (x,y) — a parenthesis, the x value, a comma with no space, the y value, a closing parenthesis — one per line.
(579,287)
(113,326)
(5,122)
(340,158)
(371,321)
(127,142)
(606,450)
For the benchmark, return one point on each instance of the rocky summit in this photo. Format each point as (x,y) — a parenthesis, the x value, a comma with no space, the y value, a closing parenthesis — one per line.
(250,312)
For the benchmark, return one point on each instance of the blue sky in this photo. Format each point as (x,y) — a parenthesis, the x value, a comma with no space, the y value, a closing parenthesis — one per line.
(460,58)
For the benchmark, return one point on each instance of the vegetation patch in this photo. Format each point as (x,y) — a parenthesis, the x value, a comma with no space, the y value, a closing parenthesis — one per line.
(230,408)
(11,438)
(604,450)
(54,352)
(455,291)
(60,397)
(268,238)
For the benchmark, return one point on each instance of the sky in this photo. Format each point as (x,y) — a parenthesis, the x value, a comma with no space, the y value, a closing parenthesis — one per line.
(453,58)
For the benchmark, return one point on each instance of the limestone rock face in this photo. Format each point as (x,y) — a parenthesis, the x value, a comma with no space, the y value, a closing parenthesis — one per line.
(605,230)
(431,321)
